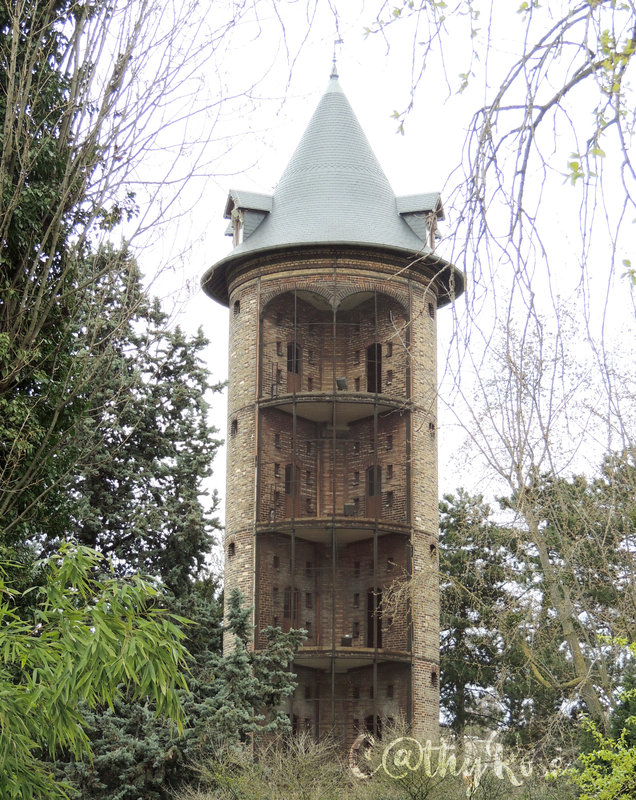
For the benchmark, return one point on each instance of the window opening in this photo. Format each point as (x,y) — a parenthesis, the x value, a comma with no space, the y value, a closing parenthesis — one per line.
(279,348)
(374,617)
(234,427)
(237,307)
(231,549)
(374,491)
(374,367)
(368,724)
(292,488)
(293,367)
(287,605)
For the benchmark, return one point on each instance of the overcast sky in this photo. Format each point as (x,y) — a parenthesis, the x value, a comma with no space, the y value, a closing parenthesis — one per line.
(283,63)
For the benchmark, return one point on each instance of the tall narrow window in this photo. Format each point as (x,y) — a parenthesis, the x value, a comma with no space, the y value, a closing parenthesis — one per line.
(293,357)
(292,489)
(374,367)
(374,618)
(374,481)
(374,491)
(290,610)
(237,307)
(293,367)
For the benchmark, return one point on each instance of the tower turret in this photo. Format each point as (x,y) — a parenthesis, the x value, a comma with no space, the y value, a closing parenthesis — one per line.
(333,287)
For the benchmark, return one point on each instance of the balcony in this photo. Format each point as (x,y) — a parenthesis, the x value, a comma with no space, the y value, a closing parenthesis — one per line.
(341,408)
(348,529)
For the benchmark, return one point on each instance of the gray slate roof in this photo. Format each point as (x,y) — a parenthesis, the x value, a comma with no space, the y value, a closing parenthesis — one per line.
(333,191)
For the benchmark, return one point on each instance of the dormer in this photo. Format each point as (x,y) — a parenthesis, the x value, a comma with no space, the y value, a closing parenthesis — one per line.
(246,211)
(421,212)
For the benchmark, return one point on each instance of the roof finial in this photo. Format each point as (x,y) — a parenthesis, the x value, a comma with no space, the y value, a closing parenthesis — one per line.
(334,69)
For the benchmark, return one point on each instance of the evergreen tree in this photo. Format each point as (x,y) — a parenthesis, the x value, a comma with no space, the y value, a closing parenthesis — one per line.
(472,600)
(250,685)
(228,699)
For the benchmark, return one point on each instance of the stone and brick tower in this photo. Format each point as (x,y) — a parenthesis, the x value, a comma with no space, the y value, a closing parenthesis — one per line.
(333,290)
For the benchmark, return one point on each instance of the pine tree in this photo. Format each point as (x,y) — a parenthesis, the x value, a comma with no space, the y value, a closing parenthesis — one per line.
(472,599)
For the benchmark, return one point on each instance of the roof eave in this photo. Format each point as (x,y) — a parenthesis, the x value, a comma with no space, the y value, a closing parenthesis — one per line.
(214,282)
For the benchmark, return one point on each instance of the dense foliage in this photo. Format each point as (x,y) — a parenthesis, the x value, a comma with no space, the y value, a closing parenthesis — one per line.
(516,603)
(68,645)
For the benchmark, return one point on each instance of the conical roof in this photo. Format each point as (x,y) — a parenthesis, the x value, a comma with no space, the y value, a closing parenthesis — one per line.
(333,191)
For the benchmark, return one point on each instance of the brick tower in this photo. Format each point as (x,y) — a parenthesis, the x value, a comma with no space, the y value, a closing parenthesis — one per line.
(333,290)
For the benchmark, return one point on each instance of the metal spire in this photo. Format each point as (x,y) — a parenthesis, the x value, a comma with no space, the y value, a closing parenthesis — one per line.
(334,68)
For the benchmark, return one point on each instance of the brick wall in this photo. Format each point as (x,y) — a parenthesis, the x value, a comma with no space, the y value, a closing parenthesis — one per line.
(309,503)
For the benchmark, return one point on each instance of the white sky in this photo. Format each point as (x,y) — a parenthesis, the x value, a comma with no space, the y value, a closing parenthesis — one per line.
(251,141)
